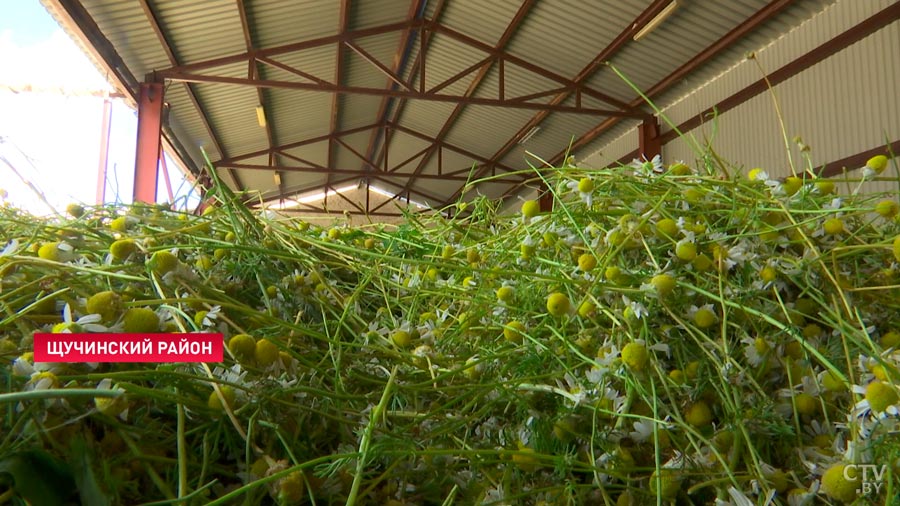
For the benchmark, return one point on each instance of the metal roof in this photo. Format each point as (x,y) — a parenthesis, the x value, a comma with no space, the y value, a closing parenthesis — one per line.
(343,95)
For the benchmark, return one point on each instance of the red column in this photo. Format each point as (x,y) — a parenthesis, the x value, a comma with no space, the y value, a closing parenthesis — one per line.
(104,150)
(649,143)
(146,165)
(165,171)
(545,201)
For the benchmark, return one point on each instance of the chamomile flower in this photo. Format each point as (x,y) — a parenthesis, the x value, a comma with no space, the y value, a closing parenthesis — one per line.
(585,190)
(874,166)
(111,406)
(643,430)
(703,316)
(738,498)
(879,397)
(86,323)
(634,308)
(207,319)
(644,167)
(24,366)
(757,349)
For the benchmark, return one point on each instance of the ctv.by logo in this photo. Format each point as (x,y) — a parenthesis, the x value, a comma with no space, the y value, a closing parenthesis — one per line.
(872,477)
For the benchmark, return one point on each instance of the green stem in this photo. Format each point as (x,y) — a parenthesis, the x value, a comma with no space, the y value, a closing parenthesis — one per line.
(366,439)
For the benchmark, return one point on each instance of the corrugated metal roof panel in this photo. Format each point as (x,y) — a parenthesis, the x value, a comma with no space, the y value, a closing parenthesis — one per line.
(382,12)
(565,36)
(318,62)
(606,149)
(485,21)
(445,58)
(183,115)
(126,27)
(483,129)
(298,115)
(347,160)
(435,187)
(279,22)
(554,136)
(201,30)
(750,134)
(734,57)
(452,161)
(359,72)
(232,113)
(518,82)
(675,41)
(293,181)
(425,117)
(358,110)
(401,148)
(311,152)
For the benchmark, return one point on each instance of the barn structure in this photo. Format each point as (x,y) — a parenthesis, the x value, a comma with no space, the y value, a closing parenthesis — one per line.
(375,104)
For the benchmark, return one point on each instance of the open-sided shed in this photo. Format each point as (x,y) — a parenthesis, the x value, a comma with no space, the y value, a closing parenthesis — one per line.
(415,97)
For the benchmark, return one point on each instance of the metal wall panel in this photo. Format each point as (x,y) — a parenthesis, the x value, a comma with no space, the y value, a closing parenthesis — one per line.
(624,140)
(839,107)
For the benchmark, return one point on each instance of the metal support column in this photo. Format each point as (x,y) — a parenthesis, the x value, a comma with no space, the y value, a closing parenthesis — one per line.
(146,166)
(104,149)
(649,142)
(545,201)
(165,171)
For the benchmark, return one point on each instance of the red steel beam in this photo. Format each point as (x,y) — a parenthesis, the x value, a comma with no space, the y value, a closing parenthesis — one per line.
(146,165)
(344,26)
(391,74)
(504,39)
(603,56)
(537,69)
(649,140)
(355,178)
(359,155)
(180,71)
(322,138)
(336,213)
(304,161)
(297,144)
(173,60)
(164,167)
(104,150)
(294,47)
(487,61)
(447,145)
(414,7)
(253,70)
(312,169)
(415,95)
(292,70)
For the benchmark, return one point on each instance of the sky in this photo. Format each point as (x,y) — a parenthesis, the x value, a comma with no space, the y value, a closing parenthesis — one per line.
(52,139)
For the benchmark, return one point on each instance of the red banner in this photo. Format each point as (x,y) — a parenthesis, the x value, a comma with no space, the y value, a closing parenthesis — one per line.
(128,347)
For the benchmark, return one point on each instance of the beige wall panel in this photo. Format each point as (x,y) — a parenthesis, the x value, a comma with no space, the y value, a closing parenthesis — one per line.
(842,106)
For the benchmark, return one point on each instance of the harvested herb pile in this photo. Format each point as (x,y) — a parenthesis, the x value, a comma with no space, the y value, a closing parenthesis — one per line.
(666,334)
